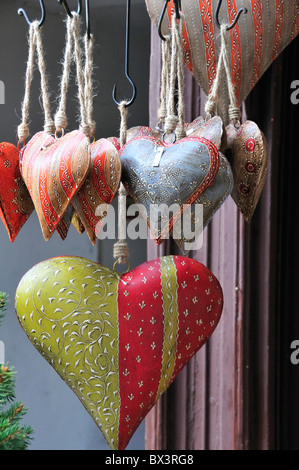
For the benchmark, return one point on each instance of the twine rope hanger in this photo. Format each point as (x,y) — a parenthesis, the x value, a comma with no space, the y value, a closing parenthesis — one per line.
(88,70)
(223,68)
(73,52)
(172,73)
(121,248)
(35,46)
(172,76)
(165,73)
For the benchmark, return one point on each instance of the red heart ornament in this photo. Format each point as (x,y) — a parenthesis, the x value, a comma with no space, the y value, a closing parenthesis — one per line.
(100,186)
(54,171)
(257,39)
(159,175)
(15,202)
(118,342)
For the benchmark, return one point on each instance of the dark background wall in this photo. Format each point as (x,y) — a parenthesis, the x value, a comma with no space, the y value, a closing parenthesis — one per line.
(59,420)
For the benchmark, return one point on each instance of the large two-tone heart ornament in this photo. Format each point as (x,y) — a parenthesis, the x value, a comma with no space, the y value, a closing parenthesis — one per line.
(15,202)
(257,39)
(101,185)
(54,171)
(118,341)
(164,179)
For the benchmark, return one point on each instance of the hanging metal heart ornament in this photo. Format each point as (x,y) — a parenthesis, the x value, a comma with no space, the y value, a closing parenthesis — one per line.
(54,171)
(16,205)
(99,188)
(249,161)
(257,39)
(102,181)
(56,168)
(158,176)
(118,341)
(103,175)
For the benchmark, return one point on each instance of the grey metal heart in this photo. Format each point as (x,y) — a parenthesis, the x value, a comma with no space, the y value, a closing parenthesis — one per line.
(211,200)
(163,178)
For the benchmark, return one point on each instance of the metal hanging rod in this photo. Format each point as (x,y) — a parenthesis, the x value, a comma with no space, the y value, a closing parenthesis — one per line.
(126,60)
(178,7)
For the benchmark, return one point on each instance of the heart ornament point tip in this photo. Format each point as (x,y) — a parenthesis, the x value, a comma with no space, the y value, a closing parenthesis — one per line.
(16,205)
(118,342)
(54,171)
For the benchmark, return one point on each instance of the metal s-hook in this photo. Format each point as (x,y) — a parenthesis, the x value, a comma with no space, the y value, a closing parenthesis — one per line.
(128,103)
(67,9)
(79,10)
(242,10)
(178,7)
(22,12)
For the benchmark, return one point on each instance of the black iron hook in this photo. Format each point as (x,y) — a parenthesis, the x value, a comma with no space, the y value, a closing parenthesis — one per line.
(79,10)
(178,7)
(242,10)
(67,9)
(126,61)
(22,12)
(87,16)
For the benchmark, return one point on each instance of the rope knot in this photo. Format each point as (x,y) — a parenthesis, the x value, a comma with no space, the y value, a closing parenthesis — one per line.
(23,132)
(60,120)
(171,122)
(84,127)
(180,132)
(234,113)
(49,127)
(121,251)
(210,107)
